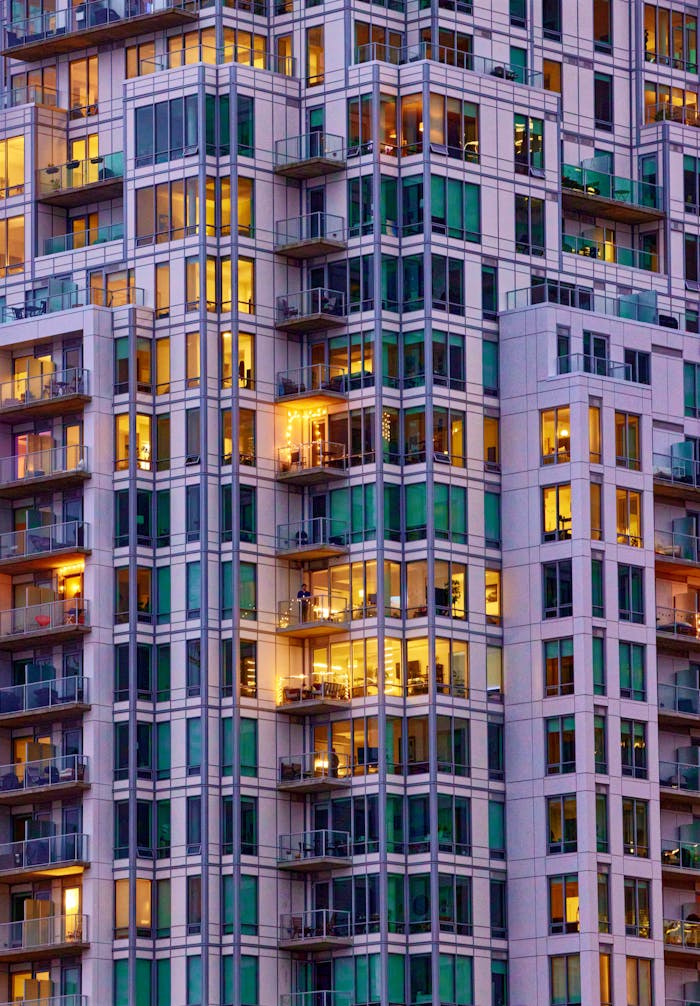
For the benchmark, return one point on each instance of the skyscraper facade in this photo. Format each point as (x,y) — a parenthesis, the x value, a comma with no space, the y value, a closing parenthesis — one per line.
(349,502)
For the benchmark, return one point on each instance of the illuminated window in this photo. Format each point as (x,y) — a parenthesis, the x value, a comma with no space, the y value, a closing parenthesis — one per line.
(556,512)
(143,442)
(551,70)
(629,517)
(246,214)
(12,166)
(559,666)
(192,361)
(492,578)
(11,245)
(596,512)
(315,56)
(563,904)
(143,908)
(83,90)
(140,59)
(246,286)
(555,434)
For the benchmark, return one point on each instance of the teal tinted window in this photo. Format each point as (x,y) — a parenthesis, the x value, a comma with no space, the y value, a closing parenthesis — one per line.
(249,747)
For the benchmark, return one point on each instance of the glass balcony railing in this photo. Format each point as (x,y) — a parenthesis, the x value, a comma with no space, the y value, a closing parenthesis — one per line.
(43,464)
(319,688)
(68,1000)
(39,696)
(314,766)
(299,612)
(687,115)
(314,926)
(320,844)
(296,460)
(605,251)
(30,775)
(679,775)
(599,183)
(213,56)
(327,997)
(685,855)
(84,239)
(678,699)
(295,150)
(585,299)
(293,308)
(43,388)
(314,379)
(37,541)
(52,931)
(579,363)
(43,853)
(38,618)
(448,55)
(312,228)
(69,299)
(78,174)
(308,535)
(33,94)
(681,933)
(676,470)
(673,545)
(678,622)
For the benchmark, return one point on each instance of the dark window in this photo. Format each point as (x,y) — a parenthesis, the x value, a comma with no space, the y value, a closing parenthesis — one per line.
(603,101)
(558,589)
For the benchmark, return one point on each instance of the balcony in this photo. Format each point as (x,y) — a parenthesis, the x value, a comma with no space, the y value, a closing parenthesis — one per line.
(675,477)
(634,306)
(676,629)
(681,940)
(92,23)
(600,194)
(677,856)
(316,538)
(34,939)
(319,382)
(42,547)
(83,239)
(579,363)
(71,298)
(43,471)
(314,772)
(686,115)
(311,310)
(299,696)
(449,56)
(674,549)
(679,705)
(321,998)
(679,782)
(315,615)
(310,235)
(308,464)
(44,779)
(310,851)
(54,855)
(204,52)
(45,394)
(32,94)
(610,254)
(50,699)
(309,155)
(315,930)
(67,1000)
(79,182)
(57,620)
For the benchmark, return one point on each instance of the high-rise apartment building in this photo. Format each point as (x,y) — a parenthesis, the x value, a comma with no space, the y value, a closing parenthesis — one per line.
(349,503)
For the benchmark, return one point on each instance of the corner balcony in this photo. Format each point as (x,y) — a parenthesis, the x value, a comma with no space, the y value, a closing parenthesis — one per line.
(316,538)
(675,477)
(50,620)
(448,55)
(610,254)
(321,929)
(83,239)
(310,464)
(600,194)
(310,235)
(311,311)
(67,1000)
(46,779)
(318,382)
(92,23)
(679,782)
(314,772)
(631,306)
(676,629)
(31,94)
(41,938)
(45,395)
(43,471)
(580,363)
(69,299)
(78,182)
(674,549)
(52,856)
(315,615)
(41,701)
(298,696)
(678,857)
(43,547)
(310,851)
(679,705)
(310,155)
(326,997)
(682,941)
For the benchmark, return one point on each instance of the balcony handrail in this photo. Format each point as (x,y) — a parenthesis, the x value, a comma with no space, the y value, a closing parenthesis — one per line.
(45,615)
(450,55)
(67,300)
(314,924)
(305,456)
(38,464)
(584,298)
(74,19)
(591,181)
(676,545)
(583,363)
(31,94)
(672,695)
(314,765)
(677,620)
(43,932)
(670,468)
(48,850)
(318,685)
(313,845)
(312,531)
(43,694)
(43,540)
(84,239)
(44,387)
(679,775)
(218,55)
(634,258)
(681,932)
(308,146)
(309,226)
(685,854)
(321,997)
(314,608)
(688,115)
(67,1000)
(259,59)
(76,174)
(302,303)
(43,772)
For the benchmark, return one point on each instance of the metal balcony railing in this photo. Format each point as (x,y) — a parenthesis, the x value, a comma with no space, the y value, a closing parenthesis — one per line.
(48,25)
(310,227)
(320,844)
(680,933)
(314,925)
(84,239)
(685,855)
(678,622)
(52,931)
(35,541)
(606,251)
(41,464)
(580,363)
(294,307)
(77,174)
(589,182)
(315,532)
(43,772)
(44,387)
(314,378)
(449,55)
(48,615)
(679,699)
(295,459)
(314,765)
(48,694)
(679,775)
(52,850)
(300,611)
(68,299)
(308,147)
